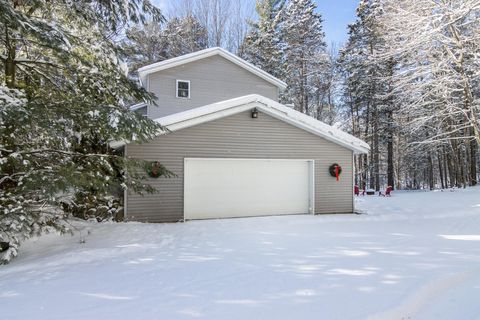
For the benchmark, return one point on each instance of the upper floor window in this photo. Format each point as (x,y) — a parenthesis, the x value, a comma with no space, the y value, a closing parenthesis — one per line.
(183,89)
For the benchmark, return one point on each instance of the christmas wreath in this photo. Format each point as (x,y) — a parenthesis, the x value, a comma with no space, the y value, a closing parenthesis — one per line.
(335,170)
(154,169)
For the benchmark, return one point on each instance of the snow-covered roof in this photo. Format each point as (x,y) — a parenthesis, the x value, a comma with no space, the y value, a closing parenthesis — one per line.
(170,63)
(138,106)
(226,108)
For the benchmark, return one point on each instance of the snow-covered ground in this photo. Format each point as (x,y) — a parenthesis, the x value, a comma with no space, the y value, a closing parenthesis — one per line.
(415,255)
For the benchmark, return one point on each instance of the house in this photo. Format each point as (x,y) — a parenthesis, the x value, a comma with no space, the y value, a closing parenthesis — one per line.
(235,149)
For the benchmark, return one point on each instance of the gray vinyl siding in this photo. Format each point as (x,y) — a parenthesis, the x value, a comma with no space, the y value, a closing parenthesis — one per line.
(239,136)
(212,79)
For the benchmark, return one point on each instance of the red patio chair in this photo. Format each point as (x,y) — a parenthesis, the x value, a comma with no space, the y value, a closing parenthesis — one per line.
(388,192)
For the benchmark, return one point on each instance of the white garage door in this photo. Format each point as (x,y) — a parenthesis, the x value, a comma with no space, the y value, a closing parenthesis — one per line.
(221,188)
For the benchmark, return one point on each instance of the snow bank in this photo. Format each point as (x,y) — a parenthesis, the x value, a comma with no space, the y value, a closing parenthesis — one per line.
(415,255)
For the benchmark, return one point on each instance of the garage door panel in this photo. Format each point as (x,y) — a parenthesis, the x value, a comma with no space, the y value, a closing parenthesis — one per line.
(219,188)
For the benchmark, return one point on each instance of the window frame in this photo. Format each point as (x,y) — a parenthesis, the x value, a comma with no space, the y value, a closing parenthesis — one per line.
(176,89)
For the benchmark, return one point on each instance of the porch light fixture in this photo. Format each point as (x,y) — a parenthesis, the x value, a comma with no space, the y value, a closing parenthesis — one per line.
(254,113)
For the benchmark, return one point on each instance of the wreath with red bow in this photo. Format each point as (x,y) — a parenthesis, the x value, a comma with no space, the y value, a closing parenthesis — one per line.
(335,170)
(154,169)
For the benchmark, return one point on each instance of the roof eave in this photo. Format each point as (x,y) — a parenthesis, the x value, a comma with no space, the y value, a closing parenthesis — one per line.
(222,109)
(268,106)
(171,63)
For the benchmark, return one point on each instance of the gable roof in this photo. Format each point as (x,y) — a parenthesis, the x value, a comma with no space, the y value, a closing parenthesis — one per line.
(198,55)
(226,108)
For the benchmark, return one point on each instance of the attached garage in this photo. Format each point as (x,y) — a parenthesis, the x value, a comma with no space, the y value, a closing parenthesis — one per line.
(229,163)
(225,188)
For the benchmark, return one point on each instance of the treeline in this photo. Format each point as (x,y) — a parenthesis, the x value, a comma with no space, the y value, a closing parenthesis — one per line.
(286,39)
(406,81)
(63,96)
(411,89)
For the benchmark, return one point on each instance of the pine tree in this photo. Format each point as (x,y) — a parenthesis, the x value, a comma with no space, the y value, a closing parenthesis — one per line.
(287,41)
(64,85)
(262,46)
(367,93)
(326,88)
(155,42)
(144,44)
(304,52)
(185,35)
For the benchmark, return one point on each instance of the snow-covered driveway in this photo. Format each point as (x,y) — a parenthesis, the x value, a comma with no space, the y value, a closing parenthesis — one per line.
(413,256)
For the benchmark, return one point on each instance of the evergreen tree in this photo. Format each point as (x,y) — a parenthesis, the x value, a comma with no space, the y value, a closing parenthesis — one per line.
(287,41)
(326,89)
(262,45)
(304,53)
(63,85)
(144,44)
(154,42)
(185,35)
(367,92)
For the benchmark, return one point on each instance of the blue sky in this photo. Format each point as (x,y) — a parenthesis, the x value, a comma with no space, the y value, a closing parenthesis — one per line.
(337,14)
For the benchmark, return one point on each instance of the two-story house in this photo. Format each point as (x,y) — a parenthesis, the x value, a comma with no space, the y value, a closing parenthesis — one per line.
(235,150)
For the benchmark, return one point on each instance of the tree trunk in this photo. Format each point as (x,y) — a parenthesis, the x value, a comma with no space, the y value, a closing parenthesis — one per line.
(431,180)
(415,180)
(473,162)
(452,171)
(365,156)
(440,170)
(445,168)
(10,66)
(390,155)
(460,171)
(376,153)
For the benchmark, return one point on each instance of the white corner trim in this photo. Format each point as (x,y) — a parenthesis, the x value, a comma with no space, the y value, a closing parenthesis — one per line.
(311,164)
(170,63)
(184,193)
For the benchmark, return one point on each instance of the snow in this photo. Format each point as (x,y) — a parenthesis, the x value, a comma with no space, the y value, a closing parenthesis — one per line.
(224,108)
(415,255)
(137,106)
(11,97)
(202,54)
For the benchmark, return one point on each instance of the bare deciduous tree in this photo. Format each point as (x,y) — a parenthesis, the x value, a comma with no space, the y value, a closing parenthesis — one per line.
(225,20)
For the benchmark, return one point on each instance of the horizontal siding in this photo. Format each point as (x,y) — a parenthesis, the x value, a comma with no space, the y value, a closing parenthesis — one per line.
(225,81)
(239,136)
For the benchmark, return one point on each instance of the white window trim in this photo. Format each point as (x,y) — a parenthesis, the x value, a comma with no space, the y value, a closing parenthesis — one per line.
(189,88)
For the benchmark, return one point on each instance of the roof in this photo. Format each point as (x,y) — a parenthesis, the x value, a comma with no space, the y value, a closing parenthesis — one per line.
(279,111)
(202,54)
(138,106)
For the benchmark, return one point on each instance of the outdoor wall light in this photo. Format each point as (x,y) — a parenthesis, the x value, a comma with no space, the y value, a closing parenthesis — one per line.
(254,113)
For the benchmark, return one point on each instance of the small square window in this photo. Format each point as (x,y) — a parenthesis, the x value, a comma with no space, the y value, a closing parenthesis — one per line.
(183,89)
